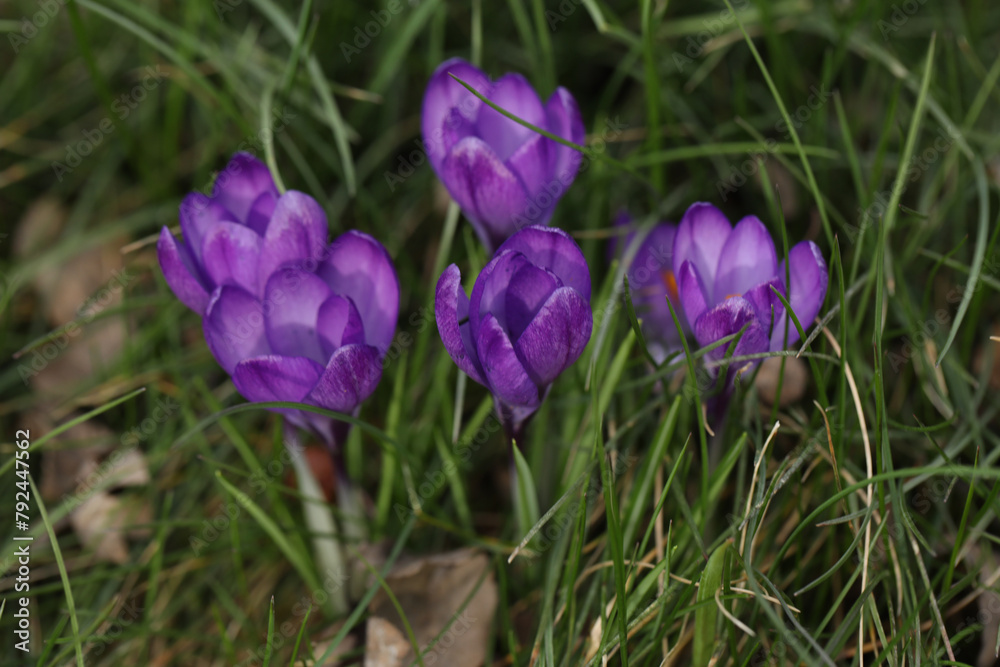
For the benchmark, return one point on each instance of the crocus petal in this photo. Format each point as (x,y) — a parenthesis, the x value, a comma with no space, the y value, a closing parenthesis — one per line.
(449,109)
(276,378)
(530,163)
(507,378)
(555,338)
(808,290)
(491,196)
(338,324)
(514,94)
(527,291)
(350,377)
(234,327)
(181,272)
(747,259)
(296,235)
(261,212)
(489,292)
(564,120)
(198,215)
(451,311)
(766,303)
(293,299)
(230,254)
(700,237)
(553,249)
(724,320)
(239,185)
(691,289)
(358,267)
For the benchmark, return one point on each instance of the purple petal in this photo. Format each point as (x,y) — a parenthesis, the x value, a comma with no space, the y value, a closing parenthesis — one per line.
(692,293)
(350,377)
(766,304)
(449,109)
(489,292)
(276,378)
(295,237)
(652,264)
(553,249)
(339,324)
(491,196)
(726,319)
(292,302)
(239,185)
(747,259)
(234,327)
(564,120)
(555,338)
(507,378)
(451,311)
(358,267)
(181,272)
(513,94)
(808,290)
(530,163)
(198,215)
(528,290)
(230,253)
(700,237)
(261,212)
(651,283)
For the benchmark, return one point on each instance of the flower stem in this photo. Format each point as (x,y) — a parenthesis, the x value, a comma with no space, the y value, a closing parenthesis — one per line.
(319,518)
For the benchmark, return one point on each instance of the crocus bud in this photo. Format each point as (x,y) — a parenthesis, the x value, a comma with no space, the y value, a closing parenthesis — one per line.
(503,175)
(528,319)
(725,275)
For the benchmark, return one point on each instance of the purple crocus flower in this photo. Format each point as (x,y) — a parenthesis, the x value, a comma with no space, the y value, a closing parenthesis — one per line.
(651,283)
(503,175)
(528,319)
(288,316)
(725,275)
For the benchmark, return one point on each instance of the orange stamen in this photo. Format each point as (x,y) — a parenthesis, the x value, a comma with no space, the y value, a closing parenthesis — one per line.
(670,282)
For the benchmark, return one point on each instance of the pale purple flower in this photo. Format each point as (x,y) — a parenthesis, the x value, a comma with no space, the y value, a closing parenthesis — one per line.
(725,276)
(527,321)
(503,175)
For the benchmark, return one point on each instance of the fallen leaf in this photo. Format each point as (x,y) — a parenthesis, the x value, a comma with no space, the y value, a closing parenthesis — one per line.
(386,646)
(98,521)
(431,592)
